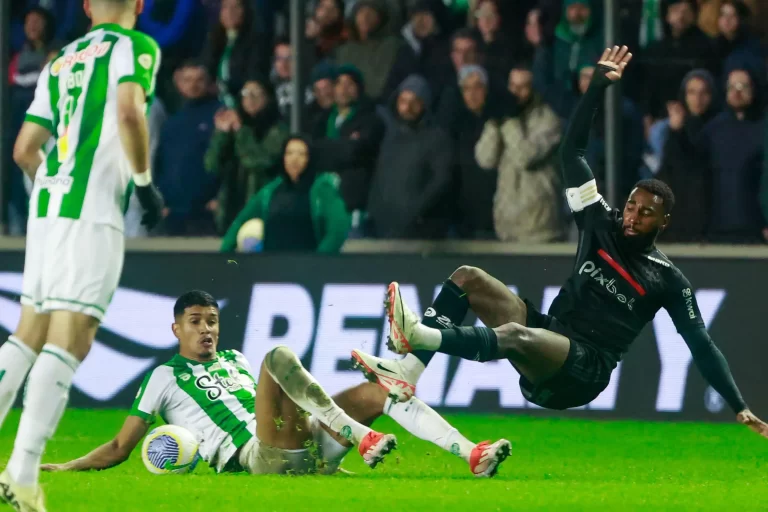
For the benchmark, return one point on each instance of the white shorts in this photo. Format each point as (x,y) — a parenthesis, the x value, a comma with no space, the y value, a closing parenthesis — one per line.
(71,265)
(324,456)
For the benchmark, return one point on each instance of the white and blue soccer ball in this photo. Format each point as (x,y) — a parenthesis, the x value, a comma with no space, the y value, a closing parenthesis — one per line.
(170,449)
(250,237)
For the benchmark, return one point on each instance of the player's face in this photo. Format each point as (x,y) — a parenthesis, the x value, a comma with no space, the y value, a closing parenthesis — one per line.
(643,215)
(198,332)
(698,97)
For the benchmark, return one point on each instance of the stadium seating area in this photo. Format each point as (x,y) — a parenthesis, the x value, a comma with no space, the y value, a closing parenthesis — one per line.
(439,119)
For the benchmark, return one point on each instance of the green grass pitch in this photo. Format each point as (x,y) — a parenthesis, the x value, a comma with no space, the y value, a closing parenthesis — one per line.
(556,464)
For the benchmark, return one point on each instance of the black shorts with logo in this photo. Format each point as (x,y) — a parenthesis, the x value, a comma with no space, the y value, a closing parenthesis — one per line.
(584,375)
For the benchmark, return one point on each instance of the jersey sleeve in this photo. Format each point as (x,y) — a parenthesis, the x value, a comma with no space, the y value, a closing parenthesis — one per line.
(149,400)
(41,111)
(137,60)
(680,303)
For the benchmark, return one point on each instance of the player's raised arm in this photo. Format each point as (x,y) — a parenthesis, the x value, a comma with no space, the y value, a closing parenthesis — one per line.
(109,454)
(577,176)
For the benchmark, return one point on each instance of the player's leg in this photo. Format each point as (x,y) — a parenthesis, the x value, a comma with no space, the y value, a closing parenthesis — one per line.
(299,385)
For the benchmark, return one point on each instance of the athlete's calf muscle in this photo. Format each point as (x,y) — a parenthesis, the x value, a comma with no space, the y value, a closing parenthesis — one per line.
(489,298)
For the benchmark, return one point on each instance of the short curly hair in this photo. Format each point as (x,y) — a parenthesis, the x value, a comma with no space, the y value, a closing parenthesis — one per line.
(661,189)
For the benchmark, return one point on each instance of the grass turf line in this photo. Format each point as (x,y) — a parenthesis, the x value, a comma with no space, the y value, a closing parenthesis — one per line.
(556,464)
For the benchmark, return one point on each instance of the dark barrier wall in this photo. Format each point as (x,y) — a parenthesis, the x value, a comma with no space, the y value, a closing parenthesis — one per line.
(323,307)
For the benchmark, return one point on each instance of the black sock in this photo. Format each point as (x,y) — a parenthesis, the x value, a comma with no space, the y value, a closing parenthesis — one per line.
(447,311)
(473,343)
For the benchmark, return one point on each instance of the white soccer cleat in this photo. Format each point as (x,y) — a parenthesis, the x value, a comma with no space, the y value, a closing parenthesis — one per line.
(23,499)
(375,446)
(485,458)
(387,373)
(402,321)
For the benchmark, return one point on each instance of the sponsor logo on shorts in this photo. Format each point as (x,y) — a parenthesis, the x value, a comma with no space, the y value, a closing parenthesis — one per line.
(86,55)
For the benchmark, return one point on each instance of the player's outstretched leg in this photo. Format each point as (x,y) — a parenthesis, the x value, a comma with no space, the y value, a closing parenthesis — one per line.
(18,354)
(299,385)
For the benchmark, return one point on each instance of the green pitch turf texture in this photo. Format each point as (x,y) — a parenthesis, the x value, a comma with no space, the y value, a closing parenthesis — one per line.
(556,464)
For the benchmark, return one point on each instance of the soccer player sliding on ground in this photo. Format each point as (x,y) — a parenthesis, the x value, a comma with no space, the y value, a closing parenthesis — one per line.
(259,427)
(620,280)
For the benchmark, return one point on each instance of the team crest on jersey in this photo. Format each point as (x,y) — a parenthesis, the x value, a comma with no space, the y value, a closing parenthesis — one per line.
(185,377)
(93,51)
(145,60)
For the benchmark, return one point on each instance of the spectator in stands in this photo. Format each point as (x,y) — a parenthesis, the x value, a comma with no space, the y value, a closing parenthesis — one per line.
(578,38)
(499,49)
(245,150)
(735,44)
(709,16)
(348,137)
(413,173)
(527,205)
(425,49)
(370,48)
(666,62)
(681,163)
(66,13)
(301,209)
(326,28)
(235,50)
(632,141)
(282,78)
(474,186)
(464,52)
(179,161)
(322,82)
(733,146)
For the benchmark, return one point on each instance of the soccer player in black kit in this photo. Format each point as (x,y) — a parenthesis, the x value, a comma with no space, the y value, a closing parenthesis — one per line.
(619,281)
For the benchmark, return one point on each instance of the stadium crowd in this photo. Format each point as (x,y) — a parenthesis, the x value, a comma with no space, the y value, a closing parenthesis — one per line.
(430,119)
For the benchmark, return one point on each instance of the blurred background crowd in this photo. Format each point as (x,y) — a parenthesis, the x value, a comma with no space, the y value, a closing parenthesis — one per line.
(429,119)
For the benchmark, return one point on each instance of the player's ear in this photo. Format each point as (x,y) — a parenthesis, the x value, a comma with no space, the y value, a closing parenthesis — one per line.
(175,327)
(139,7)
(87,7)
(665,221)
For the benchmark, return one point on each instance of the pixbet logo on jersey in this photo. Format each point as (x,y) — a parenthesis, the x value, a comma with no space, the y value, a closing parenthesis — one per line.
(596,273)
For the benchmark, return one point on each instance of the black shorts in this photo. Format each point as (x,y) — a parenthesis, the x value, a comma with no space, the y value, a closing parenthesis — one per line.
(584,375)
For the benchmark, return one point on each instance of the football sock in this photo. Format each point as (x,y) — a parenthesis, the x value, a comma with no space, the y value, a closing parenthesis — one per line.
(16,358)
(331,451)
(448,310)
(285,367)
(473,343)
(425,423)
(45,400)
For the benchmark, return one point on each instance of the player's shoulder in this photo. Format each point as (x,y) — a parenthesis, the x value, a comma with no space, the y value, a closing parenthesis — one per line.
(667,268)
(229,354)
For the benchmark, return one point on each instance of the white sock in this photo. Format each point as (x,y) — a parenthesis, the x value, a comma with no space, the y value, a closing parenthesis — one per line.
(412,368)
(423,422)
(16,358)
(426,338)
(304,391)
(331,450)
(44,403)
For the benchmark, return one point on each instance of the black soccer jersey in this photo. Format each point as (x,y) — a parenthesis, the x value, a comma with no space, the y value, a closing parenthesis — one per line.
(614,292)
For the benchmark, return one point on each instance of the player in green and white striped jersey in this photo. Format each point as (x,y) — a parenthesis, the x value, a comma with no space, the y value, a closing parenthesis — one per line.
(92,100)
(258,427)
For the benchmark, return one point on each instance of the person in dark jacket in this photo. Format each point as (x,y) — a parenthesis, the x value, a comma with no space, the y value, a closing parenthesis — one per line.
(301,210)
(179,160)
(578,38)
(666,62)
(681,165)
(732,144)
(348,137)
(322,82)
(500,50)
(325,28)
(735,44)
(235,50)
(413,172)
(246,149)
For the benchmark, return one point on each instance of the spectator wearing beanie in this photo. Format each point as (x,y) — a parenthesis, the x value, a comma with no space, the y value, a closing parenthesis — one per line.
(322,82)
(413,173)
(370,48)
(347,137)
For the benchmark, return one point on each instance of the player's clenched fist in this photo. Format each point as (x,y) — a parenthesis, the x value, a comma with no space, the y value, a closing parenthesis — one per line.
(151,201)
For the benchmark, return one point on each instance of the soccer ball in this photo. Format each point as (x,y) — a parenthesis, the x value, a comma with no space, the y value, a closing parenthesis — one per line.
(170,449)
(250,237)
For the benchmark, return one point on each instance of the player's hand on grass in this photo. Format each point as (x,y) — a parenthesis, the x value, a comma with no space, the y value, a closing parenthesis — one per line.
(616,59)
(747,418)
(54,468)
(152,202)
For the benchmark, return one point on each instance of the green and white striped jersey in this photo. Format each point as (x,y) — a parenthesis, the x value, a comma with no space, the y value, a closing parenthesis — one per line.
(213,400)
(86,174)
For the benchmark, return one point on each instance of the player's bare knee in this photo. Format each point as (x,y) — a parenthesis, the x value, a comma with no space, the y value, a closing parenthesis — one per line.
(280,359)
(468,278)
(514,340)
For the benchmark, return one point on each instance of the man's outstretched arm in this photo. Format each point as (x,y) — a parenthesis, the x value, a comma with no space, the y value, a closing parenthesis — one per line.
(110,454)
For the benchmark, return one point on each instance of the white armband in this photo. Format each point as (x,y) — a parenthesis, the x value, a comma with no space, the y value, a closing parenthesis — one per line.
(143,179)
(583,196)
